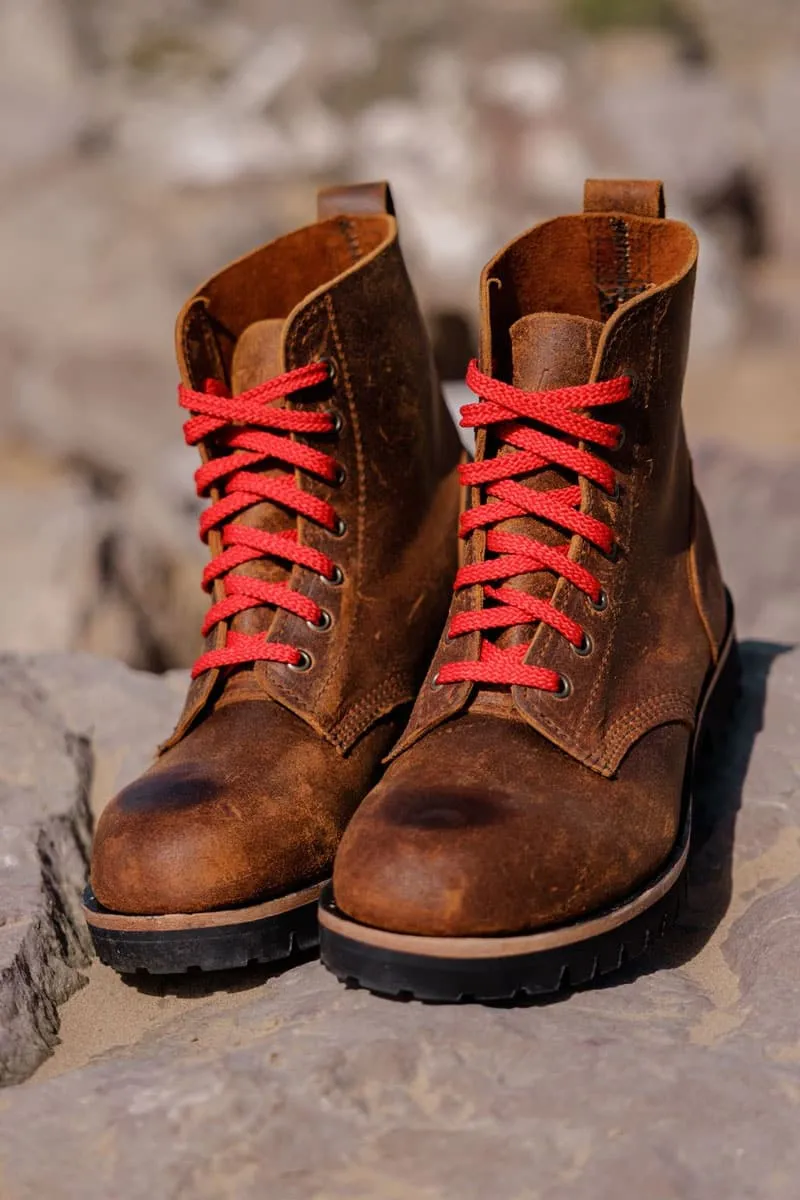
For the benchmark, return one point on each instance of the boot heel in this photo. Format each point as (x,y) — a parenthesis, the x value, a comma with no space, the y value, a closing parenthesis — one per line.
(717,718)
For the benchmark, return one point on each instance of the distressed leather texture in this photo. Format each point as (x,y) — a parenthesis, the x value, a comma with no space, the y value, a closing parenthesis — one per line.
(250,795)
(509,809)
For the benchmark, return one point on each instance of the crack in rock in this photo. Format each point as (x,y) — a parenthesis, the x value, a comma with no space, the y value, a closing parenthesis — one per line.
(45,834)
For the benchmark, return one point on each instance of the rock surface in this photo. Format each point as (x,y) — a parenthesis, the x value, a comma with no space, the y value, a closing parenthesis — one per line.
(678,1078)
(45,830)
(681,1077)
(72,730)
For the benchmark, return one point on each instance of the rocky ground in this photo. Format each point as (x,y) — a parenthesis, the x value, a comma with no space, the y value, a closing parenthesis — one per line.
(678,1079)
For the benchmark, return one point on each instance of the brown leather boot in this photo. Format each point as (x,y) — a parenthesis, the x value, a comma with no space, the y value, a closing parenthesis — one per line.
(533,827)
(332,529)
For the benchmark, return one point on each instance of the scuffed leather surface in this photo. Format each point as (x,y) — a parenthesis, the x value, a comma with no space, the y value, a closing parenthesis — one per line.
(250,795)
(399,552)
(643,670)
(250,804)
(560,806)
(485,827)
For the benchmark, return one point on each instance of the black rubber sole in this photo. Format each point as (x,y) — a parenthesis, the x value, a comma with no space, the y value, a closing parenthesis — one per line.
(453,980)
(209,948)
(346,948)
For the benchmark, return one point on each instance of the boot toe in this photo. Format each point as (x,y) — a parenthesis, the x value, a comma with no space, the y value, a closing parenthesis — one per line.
(508,857)
(169,843)
(251,804)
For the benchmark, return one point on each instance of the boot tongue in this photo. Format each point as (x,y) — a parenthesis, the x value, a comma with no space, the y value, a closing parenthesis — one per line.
(257,358)
(548,350)
(258,355)
(553,350)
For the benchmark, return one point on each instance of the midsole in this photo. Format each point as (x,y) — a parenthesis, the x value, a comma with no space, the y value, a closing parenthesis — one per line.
(506,946)
(101,918)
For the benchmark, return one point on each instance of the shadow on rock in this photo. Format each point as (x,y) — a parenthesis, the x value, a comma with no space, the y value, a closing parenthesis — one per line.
(718,794)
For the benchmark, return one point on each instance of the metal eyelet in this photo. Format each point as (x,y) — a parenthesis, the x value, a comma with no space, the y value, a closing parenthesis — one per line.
(584,647)
(620,439)
(617,492)
(339,529)
(304,663)
(333,368)
(564,688)
(435,684)
(613,554)
(339,477)
(323,624)
(337,419)
(336,579)
(601,603)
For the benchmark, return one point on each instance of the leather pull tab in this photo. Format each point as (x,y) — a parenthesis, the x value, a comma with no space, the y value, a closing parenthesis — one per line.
(638,197)
(355,200)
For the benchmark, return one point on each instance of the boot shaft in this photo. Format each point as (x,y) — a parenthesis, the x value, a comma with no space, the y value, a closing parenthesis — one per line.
(581,299)
(338,291)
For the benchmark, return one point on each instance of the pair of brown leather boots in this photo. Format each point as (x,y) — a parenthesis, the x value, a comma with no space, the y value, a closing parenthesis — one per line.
(500,793)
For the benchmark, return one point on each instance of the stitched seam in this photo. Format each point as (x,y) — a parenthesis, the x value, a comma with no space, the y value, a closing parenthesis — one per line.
(623,564)
(622,246)
(299,332)
(669,706)
(348,229)
(363,704)
(694,583)
(673,704)
(658,313)
(395,687)
(361,477)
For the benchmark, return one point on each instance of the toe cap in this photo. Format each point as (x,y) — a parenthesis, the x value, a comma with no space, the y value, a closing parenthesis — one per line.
(250,804)
(528,839)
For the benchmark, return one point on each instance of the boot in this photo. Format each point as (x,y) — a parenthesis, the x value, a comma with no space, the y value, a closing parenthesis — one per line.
(533,827)
(330,464)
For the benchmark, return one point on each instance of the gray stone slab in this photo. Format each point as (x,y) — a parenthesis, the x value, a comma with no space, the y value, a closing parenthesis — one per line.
(45,829)
(73,729)
(679,1078)
(124,714)
(754,509)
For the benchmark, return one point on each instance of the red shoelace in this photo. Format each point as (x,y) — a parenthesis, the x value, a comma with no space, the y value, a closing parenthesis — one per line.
(508,410)
(251,433)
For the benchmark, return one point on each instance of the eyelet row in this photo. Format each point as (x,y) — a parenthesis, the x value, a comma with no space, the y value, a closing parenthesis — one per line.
(586,644)
(305,661)
(325,622)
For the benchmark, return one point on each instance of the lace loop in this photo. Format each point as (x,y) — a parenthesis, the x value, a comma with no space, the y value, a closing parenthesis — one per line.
(248,432)
(507,410)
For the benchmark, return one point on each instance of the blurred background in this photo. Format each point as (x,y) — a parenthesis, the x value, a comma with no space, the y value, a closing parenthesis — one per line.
(142,145)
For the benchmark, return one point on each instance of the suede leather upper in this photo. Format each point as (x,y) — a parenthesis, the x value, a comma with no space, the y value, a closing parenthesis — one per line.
(249,796)
(555,807)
